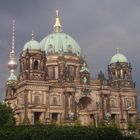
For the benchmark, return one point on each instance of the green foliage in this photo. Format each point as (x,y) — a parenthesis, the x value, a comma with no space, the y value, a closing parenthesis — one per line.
(53,122)
(6,115)
(77,123)
(102,124)
(50,132)
(113,124)
(131,126)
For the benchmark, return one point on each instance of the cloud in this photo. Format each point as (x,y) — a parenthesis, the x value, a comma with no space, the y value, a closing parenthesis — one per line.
(98,26)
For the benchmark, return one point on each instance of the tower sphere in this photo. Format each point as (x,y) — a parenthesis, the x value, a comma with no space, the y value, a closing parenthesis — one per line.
(12,64)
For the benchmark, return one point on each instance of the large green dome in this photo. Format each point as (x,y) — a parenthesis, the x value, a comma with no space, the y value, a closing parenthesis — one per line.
(31,45)
(118,58)
(58,42)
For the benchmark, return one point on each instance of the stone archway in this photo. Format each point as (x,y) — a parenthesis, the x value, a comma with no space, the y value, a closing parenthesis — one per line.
(84,102)
(84,105)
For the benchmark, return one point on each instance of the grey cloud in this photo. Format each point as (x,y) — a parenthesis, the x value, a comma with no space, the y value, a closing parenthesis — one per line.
(98,26)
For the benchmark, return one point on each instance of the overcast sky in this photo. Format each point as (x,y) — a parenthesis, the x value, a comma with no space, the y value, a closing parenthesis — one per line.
(99,27)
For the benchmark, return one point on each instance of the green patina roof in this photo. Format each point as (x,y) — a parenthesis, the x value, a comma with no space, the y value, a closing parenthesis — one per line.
(118,58)
(12,77)
(60,43)
(31,45)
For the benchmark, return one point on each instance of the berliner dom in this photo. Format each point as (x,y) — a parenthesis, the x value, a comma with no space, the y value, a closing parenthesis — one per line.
(54,84)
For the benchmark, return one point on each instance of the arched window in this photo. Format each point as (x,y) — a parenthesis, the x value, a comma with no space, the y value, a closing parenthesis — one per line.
(125,75)
(112,103)
(51,72)
(51,49)
(54,101)
(113,75)
(128,103)
(35,65)
(72,72)
(23,66)
(69,48)
(36,100)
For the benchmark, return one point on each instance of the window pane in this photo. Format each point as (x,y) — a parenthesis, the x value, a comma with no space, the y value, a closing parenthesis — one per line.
(37,100)
(51,72)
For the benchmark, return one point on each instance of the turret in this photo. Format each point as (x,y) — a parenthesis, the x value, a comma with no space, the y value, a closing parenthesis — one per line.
(119,71)
(32,61)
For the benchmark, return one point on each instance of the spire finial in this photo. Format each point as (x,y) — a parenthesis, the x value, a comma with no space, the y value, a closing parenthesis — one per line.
(57,13)
(33,35)
(13,36)
(117,50)
(57,25)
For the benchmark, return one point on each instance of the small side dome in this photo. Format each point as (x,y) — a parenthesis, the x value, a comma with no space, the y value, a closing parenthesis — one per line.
(12,77)
(31,45)
(118,57)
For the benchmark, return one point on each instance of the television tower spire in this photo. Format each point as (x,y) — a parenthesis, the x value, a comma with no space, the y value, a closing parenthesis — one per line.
(12,64)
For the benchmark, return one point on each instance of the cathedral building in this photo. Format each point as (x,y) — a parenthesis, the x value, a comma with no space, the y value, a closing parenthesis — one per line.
(54,84)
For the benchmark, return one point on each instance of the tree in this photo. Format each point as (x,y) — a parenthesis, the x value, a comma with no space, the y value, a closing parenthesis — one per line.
(131,126)
(6,115)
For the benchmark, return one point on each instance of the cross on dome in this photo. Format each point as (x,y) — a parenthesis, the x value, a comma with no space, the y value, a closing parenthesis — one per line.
(117,50)
(33,35)
(57,13)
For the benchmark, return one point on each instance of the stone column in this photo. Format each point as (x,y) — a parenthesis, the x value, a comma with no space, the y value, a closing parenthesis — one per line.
(77,72)
(116,74)
(26,119)
(121,73)
(58,119)
(29,97)
(73,102)
(50,116)
(103,108)
(121,108)
(66,105)
(108,103)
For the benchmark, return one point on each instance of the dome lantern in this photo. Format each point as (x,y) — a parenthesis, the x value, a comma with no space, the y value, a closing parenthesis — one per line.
(59,42)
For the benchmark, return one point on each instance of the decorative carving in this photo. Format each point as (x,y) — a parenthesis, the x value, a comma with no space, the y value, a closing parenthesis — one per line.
(85,91)
(36,76)
(66,74)
(84,75)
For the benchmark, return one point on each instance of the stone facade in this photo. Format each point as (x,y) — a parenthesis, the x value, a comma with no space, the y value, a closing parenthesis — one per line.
(57,87)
